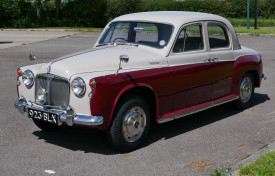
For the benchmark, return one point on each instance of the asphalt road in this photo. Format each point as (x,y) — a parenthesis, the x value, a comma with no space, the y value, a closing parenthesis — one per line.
(15,38)
(195,145)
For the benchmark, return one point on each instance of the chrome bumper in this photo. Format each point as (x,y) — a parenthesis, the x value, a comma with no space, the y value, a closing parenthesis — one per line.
(67,116)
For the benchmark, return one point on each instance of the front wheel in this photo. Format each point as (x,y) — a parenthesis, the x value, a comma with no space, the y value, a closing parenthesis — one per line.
(131,124)
(246,91)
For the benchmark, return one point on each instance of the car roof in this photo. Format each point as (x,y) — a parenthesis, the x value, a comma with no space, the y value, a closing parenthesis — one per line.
(174,17)
(178,18)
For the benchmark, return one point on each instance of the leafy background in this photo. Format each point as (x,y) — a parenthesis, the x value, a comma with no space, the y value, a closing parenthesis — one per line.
(97,13)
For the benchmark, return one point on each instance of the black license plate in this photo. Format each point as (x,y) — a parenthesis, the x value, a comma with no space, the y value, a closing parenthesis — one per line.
(43,116)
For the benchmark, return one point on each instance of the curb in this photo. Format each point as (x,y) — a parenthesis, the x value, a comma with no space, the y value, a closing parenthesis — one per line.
(52,30)
(253,157)
(258,35)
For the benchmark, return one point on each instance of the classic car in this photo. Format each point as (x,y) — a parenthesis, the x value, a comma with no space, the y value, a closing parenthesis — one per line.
(145,68)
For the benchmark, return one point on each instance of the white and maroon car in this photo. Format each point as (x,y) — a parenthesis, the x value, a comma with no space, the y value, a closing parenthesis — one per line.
(145,68)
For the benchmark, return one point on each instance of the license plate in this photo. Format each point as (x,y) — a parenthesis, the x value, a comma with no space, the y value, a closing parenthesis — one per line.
(43,116)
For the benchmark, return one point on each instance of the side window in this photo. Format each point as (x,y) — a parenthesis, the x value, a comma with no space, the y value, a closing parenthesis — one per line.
(218,37)
(190,39)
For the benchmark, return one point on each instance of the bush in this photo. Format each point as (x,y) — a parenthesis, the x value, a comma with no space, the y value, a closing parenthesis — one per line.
(96,13)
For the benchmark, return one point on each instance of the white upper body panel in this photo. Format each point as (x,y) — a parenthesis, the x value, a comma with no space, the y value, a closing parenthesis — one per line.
(177,19)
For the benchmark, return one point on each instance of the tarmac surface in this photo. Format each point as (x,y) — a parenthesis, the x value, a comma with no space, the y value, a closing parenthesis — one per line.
(196,145)
(15,38)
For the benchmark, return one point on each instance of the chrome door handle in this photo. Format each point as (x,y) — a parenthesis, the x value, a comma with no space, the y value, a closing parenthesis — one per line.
(207,60)
(214,59)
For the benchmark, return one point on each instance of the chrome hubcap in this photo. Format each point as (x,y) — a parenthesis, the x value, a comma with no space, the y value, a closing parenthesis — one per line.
(246,89)
(134,122)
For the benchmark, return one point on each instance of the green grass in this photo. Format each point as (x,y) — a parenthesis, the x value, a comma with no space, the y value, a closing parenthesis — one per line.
(237,22)
(256,32)
(264,166)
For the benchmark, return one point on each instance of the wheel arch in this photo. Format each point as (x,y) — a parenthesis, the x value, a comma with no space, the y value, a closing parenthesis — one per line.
(144,91)
(247,64)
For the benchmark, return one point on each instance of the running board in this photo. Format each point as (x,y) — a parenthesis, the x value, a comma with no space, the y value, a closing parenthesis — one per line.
(197,108)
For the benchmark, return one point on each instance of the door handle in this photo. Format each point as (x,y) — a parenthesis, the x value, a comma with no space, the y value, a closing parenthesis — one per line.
(207,60)
(212,59)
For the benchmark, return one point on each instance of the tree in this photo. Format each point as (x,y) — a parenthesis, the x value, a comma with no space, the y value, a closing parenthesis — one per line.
(38,7)
(57,6)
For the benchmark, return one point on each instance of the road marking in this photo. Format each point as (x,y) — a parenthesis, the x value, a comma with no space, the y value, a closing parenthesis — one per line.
(50,172)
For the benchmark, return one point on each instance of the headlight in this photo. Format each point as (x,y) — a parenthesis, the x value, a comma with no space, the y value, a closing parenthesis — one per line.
(78,86)
(41,95)
(27,78)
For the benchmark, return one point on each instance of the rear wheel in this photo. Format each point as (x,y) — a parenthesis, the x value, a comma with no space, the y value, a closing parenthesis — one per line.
(131,124)
(246,91)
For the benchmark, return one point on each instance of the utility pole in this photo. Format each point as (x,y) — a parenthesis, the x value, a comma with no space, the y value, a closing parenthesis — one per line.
(248,22)
(256,9)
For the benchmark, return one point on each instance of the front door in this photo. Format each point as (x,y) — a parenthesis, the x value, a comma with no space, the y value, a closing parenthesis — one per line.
(191,72)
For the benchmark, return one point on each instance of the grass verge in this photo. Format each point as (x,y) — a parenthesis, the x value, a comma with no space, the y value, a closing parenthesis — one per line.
(265,165)
(260,22)
(256,31)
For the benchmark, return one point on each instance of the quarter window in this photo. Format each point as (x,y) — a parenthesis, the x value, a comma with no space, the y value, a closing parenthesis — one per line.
(189,39)
(218,37)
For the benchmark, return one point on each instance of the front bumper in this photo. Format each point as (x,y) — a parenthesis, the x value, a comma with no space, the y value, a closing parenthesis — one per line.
(67,116)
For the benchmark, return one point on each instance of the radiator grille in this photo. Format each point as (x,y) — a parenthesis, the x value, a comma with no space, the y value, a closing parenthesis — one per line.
(58,89)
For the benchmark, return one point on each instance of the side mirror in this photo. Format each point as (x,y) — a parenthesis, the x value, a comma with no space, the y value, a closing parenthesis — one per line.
(122,58)
(32,57)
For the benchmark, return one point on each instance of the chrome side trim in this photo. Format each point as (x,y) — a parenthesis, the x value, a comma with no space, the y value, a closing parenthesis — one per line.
(196,110)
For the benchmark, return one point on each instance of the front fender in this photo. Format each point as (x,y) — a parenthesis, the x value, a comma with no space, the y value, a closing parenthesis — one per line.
(107,93)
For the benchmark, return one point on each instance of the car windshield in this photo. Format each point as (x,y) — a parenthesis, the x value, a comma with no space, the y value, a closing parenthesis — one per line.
(151,34)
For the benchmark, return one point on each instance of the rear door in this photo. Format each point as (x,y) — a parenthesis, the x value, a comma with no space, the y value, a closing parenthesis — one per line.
(221,56)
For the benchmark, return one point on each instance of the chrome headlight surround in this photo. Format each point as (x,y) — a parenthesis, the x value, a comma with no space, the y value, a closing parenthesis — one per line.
(28,78)
(78,86)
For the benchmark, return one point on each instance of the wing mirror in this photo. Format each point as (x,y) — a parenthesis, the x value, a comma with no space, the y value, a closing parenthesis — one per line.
(122,58)
(32,57)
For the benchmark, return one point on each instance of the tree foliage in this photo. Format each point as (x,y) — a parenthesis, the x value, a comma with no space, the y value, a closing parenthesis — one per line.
(96,13)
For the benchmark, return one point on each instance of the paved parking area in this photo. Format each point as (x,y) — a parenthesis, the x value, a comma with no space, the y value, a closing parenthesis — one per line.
(15,38)
(196,145)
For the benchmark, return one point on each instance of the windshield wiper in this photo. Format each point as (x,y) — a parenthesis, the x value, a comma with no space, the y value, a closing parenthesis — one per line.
(115,44)
(128,44)
(103,44)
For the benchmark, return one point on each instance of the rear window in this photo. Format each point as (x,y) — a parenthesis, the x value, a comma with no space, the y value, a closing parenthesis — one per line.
(218,36)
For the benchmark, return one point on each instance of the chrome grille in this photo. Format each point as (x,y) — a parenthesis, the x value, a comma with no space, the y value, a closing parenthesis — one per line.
(58,89)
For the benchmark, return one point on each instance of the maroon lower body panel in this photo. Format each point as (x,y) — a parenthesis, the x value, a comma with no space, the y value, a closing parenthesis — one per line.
(197,108)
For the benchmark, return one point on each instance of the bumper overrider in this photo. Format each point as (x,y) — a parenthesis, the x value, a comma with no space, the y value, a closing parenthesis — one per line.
(67,116)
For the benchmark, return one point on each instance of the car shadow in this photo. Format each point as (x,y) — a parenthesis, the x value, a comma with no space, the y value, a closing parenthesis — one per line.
(5,42)
(86,140)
